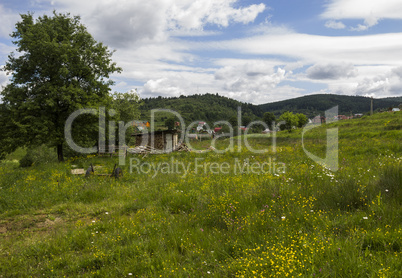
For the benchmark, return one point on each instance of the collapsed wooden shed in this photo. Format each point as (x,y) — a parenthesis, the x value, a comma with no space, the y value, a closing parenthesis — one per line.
(166,140)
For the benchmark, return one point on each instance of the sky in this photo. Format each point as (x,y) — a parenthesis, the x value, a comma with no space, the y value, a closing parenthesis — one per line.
(250,50)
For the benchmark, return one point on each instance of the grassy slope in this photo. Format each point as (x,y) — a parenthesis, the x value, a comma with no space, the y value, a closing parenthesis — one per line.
(307,221)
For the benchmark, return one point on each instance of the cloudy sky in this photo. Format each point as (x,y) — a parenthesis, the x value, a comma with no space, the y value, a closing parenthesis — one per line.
(251,50)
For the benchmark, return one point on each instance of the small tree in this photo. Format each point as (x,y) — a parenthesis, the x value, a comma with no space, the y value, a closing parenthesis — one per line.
(290,120)
(246,120)
(268,118)
(301,120)
(59,69)
(127,105)
(233,121)
(170,123)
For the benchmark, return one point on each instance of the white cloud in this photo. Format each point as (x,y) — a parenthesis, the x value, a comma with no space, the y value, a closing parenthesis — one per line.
(177,83)
(162,86)
(125,23)
(190,14)
(370,11)
(310,49)
(254,81)
(371,80)
(251,81)
(397,72)
(332,24)
(388,84)
(267,27)
(368,22)
(271,95)
(8,20)
(150,38)
(121,84)
(360,27)
(356,9)
(5,50)
(373,87)
(331,71)
(253,76)
(192,33)
(129,22)
(3,79)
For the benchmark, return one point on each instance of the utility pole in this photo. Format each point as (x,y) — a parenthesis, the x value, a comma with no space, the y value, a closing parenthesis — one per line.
(371,110)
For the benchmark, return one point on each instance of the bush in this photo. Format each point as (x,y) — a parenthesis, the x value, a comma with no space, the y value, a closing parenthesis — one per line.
(39,155)
(69,153)
(26,161)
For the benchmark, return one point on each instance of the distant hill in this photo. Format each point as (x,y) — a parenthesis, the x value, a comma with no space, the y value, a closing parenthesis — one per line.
(313,105)
(207,107)
(213,107)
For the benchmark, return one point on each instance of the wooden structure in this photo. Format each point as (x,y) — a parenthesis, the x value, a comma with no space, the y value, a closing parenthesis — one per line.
(163,140)
(116,172)
(149,150)
(112,150)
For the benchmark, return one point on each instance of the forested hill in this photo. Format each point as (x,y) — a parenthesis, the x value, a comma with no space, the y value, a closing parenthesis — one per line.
(207,107)
(317,104)
(213,107)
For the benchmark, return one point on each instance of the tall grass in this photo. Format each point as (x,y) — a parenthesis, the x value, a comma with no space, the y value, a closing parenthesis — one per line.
(306,221)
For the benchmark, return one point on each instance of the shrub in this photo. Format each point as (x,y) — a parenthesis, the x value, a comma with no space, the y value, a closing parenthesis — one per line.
(26,161)
(38,155)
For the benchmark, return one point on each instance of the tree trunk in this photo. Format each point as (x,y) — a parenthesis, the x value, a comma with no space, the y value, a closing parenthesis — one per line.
(60,152)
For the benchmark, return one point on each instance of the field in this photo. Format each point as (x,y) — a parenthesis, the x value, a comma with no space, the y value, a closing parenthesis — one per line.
(271,214)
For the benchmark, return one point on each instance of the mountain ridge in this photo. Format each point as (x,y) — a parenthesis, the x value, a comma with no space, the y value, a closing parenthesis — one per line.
(319,103)
(213,107)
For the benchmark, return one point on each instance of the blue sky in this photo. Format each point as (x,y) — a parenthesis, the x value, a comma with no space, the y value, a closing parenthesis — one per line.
(253,51)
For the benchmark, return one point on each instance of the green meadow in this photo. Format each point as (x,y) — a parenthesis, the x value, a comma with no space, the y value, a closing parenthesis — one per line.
(240,213)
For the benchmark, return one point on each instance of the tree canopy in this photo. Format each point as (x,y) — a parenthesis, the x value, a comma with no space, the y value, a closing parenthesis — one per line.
(302,120)
(170,123)
(268,118)
(127,105)
(59,68)
(290,120)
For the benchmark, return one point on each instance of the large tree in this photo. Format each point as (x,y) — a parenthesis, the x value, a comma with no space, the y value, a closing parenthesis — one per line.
(59,69)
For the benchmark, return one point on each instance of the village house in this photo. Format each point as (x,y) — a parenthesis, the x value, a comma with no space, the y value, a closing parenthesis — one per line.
(265,131)
(343,117)
(318,120)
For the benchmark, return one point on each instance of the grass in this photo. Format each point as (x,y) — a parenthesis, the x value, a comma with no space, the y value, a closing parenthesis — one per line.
(17,155)
(249,220)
